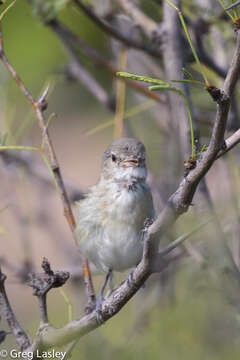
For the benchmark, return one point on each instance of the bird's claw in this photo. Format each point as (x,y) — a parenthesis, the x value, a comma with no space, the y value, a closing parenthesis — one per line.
(98,309)
(130,280)
(99,317)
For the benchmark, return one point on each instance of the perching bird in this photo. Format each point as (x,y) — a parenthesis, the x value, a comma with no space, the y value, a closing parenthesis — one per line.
(111,217)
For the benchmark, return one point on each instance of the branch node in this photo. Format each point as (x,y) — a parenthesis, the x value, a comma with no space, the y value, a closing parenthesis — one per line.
(42,101)
(44,282)
(189,165)
(217,94)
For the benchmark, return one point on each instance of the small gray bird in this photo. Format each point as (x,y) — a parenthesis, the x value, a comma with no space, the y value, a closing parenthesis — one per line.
(111,217)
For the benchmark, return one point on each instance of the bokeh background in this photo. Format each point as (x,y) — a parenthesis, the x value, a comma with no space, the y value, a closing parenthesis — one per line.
(190,311)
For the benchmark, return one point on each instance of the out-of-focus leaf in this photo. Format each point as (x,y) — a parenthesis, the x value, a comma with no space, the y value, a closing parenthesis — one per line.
(189,81)
(167,87)
(3,138)
(187,73)
(228,12)
(162,85)
(48,9)
(233,5)
(6,10)
(135,110)
(141,78)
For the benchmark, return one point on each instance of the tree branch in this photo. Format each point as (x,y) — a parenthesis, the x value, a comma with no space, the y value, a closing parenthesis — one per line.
(230,143)
(8,314)
(200,28)
(39,107)
(43,283)
(177,204)
(148,26)
(116,33)
(66,35)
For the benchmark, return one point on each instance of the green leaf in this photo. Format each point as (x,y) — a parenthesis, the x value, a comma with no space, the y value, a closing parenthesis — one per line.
(6,10)
(187,73)
(196,82)
(167,87)
(19,147)
(3,138)
(164,86)
(204,148)
(48,9)
(141,78)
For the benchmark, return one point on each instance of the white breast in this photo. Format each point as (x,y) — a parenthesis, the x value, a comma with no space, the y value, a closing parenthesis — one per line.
(113,237)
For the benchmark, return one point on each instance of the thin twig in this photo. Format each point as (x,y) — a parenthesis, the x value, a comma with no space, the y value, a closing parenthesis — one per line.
(26,161)
(8,314)
(177,204)
(116,33)
(148,26)
(39,107)
(68,36)
(43,283)
(230,143)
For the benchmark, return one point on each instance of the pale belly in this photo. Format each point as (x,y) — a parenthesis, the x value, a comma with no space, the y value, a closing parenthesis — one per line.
(115,240)
(119,248)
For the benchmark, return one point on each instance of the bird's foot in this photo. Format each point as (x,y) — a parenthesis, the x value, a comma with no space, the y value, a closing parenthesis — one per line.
(130,277)
(98,309)
(100,298)
(130,280)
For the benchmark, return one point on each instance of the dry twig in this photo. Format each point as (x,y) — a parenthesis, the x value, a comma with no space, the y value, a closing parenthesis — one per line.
(39,106)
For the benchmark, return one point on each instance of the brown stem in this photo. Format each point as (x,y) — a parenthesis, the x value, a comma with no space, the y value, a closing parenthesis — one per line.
(8,314)
(116,33)
(39,107)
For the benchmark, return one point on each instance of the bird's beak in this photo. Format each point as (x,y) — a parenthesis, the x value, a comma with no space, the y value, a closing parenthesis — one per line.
(130,162)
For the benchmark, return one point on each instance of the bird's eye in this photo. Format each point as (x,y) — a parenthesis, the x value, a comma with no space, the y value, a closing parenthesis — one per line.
(114,157)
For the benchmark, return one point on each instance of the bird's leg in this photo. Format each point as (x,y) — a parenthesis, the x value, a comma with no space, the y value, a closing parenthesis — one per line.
(111,284)
(130,278)
(100,297)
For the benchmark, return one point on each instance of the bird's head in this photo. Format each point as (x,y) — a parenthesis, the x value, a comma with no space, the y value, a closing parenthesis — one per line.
(125,158)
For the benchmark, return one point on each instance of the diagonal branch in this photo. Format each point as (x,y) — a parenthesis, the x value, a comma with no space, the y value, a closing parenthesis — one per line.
(148,26)
(116,33)
(67,36)
(177,204)
(200,28)
(230,143)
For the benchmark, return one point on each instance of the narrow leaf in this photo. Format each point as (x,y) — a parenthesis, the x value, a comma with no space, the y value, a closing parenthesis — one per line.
(196,82)
(187,73)
(6,10)
(140,78)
